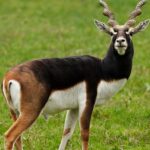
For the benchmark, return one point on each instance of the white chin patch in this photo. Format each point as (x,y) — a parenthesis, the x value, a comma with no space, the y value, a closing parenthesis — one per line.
(121,50)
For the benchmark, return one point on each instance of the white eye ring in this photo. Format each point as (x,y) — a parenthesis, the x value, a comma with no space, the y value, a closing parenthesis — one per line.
(129,31)
(115,33)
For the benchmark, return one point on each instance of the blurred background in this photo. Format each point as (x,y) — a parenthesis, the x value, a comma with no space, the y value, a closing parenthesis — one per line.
(32,29)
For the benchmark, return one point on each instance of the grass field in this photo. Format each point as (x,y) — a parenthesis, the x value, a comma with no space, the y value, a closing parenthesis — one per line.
(50,28)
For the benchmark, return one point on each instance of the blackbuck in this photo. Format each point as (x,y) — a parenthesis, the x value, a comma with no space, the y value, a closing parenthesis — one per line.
(75,84)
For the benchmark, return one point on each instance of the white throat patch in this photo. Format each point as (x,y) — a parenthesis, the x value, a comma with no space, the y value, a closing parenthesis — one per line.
(121,45)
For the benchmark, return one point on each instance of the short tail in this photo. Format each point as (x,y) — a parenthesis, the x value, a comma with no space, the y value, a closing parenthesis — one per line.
(6,92)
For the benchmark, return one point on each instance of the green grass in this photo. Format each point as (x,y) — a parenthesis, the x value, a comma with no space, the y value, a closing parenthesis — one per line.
(51,28)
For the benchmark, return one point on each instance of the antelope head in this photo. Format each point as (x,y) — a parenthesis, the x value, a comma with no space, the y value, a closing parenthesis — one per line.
(121,34)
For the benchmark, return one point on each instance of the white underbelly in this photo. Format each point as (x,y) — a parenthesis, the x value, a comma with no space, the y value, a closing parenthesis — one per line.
(71,98)
(65,99)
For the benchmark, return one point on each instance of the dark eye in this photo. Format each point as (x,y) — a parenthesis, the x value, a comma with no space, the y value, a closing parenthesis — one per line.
(111,34)
(131,33)
(127,31)
(115,30)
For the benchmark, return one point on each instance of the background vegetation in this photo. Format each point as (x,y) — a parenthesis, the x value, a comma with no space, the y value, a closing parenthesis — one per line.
(32,29)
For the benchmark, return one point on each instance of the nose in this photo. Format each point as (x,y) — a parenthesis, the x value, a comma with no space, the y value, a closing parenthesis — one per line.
(120,40)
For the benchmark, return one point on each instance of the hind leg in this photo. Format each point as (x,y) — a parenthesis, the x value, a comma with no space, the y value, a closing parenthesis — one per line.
(30,109)
(24,121)
(18,143)
(70,122)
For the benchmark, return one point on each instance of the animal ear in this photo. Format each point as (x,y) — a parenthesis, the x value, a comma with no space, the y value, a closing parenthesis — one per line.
(140,27)
(102,26)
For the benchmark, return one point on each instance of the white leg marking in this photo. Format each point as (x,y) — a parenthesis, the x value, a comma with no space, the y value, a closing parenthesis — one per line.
(82,105)
(70,122)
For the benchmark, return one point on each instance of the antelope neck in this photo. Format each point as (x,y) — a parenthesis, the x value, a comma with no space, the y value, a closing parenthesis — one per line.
(115,66)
